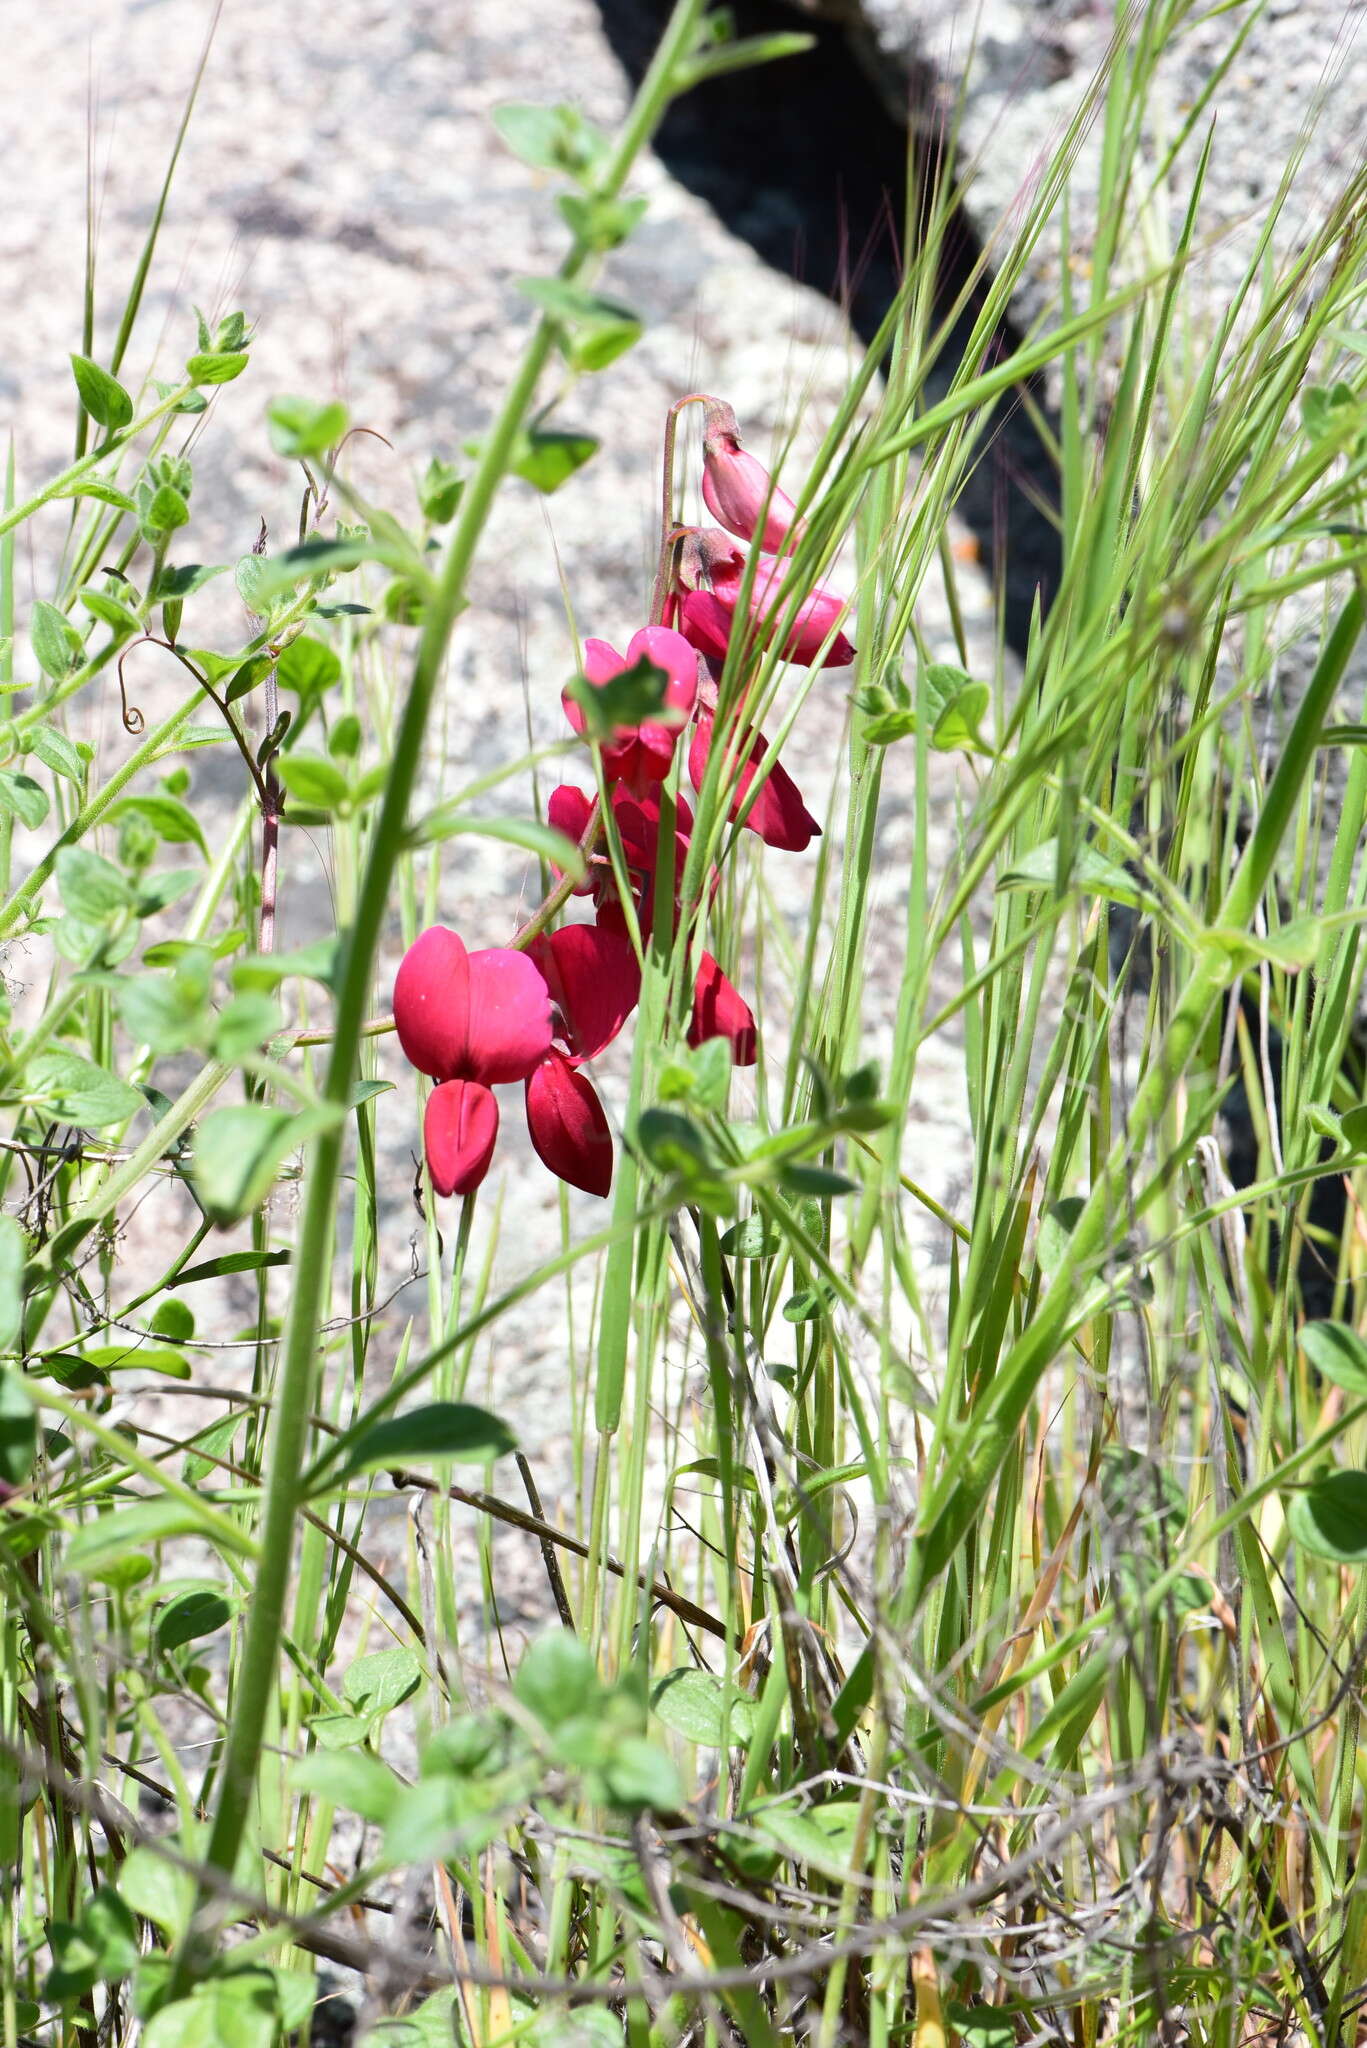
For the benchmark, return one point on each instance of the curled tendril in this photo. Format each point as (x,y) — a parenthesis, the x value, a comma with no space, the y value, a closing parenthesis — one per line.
(133,720)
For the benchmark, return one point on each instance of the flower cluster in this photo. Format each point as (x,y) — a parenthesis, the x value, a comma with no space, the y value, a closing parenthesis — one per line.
(537,1014)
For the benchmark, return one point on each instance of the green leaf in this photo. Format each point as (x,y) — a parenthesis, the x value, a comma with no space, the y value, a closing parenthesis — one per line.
(216,366)
(671,1142)
(100,1949)
(303,427)
(989,2026)
(78,1092)
(245,1024)
(173,1319)
(344,740)
(18,1424)
(548,459)
(119,1533)
(138,1357)
(100,488)
(822,1181)
(1329,1517)
(211,1447)
(809,1304)
(165,510)
(103,397)
(349,1778)
(440,491)
(13,1255)
(820,1836)
(376,1684)
(552,139)
(954,706)
(23,798)
(433,2025)
(309,667)
(231,1262)
(157,892)
(319,557)
(1337,1354)
(696,1704)
(959,704)
(57,752)
(57,646)
(91,887)
(238,1152)
(170,819)
(191,1616)
(637,1775)
(557,1678)
(599,223)
(314,780)
(111,611)
(240,2010)
(183,581)
(753,1238)
(316,962)
(442,1431)
(157,1890)
(597,330)
(1090,872)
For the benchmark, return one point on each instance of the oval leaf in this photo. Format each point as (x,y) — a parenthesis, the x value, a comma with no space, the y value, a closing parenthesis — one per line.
(444,1429)
(1337,1354)
(1329,1517)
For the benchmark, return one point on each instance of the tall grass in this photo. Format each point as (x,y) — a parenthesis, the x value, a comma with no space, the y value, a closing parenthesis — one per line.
(965,1645)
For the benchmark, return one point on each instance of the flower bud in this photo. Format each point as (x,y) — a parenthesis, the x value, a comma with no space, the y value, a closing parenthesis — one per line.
(738,491)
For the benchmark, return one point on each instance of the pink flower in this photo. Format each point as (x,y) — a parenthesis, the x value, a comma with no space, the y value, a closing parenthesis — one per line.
(778,813)
(594,978)
(459,1132)
(739,491)
(639,756)
(482,1016)
(568,1128)
(720,1011)
(816,615)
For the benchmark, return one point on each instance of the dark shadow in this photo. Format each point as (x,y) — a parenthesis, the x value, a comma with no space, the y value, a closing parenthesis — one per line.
(803,160)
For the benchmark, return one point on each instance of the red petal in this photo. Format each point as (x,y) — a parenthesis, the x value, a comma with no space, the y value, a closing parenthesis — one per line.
(816,614)
(459,1131)
(510,1016)
(778,813)
(432,1003)
(594,978)
(668,650)
(567,809)
(568,1128)
(706,622)
(720,1011)
(642,759)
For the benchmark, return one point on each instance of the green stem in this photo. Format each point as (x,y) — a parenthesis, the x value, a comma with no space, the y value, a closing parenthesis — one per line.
(17,514)
(294,1401)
